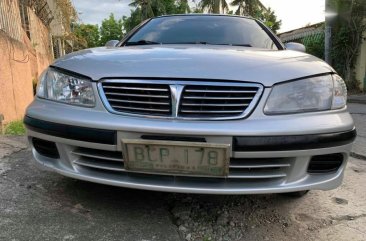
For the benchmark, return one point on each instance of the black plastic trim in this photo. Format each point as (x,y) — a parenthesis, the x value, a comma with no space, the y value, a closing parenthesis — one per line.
(108,137)
(325,163)
(292,142)
(173,138)
(46,148)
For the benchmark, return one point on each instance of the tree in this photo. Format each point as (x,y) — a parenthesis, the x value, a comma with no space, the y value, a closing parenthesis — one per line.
(270,19)
(145,9)
(110,29)
(183,6)
(87,35)
(214,6)
(133,20)
(247,7)
(256,9)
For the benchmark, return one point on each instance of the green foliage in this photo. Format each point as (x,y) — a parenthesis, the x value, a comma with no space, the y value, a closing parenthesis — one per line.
(214,6)
(87,35)
(110,29)
(315,44)
(247,7)
(270,19)
(347,31)
(316,47)
(130,22)
(146,9)
(255,9)
(15,128)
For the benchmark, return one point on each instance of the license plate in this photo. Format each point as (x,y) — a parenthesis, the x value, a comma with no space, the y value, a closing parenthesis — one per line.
(176,157)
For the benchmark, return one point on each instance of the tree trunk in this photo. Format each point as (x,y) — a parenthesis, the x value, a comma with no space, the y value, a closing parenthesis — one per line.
(216,6)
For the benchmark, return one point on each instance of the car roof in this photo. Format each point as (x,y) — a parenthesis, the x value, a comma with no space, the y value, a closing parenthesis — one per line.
(204,15)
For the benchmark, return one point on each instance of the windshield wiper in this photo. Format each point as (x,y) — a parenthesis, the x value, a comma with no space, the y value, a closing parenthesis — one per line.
(243,45)
(207,43)
(141,42)
(147,42)
(198,42)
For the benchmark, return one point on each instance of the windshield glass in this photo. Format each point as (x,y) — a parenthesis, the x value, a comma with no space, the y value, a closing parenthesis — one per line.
(218,30)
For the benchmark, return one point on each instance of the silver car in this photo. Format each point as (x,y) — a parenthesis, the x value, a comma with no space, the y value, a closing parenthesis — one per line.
(195,104)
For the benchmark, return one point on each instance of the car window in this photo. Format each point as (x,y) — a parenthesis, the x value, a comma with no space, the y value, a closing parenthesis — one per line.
(218,30)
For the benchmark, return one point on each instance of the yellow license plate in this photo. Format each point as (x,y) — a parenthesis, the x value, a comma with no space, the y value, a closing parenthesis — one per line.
(176,157)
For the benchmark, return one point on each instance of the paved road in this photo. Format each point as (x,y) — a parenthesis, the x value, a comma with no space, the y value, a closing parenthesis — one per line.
(40,205)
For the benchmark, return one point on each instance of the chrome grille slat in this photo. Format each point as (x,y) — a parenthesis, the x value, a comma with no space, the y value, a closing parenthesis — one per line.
(139,102)
(211,111)
(138,95)
(142,109)
(206,104)
(100,165)
(259,163)
(222,91)
(175,99)
(134,88)
(98,154)
(258,175)
(239,168)
(216,98)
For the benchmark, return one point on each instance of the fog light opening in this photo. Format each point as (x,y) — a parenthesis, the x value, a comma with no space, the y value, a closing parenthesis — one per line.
(325,163)
(46,148)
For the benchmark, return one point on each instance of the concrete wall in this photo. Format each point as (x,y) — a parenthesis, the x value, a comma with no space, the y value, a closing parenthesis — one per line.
(21,62)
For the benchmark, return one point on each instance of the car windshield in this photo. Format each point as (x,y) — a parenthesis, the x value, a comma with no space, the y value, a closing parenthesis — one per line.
(216,30)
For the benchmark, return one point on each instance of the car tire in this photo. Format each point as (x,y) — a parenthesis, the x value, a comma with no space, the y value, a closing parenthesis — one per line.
(295,194)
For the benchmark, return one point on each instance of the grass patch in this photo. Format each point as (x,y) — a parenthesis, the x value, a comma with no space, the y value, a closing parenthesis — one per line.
(15,128)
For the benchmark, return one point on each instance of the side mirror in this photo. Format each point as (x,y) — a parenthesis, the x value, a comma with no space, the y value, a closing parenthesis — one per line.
(112,43)
(295,47)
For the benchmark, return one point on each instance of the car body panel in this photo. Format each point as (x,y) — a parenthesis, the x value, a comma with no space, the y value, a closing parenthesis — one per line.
(193,62)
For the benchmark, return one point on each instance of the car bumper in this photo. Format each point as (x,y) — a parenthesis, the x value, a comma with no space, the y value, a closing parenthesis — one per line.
(276,150)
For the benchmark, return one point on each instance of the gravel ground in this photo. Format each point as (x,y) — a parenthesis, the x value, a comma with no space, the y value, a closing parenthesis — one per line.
(37,204)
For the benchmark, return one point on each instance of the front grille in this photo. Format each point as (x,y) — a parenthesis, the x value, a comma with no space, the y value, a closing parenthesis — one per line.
(204,101)
(240,168)
(197,100)
(138,98)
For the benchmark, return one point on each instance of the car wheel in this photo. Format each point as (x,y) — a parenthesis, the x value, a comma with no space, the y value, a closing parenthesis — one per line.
(295,194)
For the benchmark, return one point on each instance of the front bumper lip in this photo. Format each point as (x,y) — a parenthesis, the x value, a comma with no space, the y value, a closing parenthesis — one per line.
(293,142)
(240,143)
(78,133)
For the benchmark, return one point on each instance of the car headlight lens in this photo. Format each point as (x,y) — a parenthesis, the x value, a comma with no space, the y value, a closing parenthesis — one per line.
(64,88)
(312,94)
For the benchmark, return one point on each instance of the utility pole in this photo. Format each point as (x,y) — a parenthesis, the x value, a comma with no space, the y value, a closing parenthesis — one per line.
(329,20)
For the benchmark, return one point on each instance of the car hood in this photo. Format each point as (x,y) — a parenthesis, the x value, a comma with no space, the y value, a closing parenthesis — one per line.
(194,62)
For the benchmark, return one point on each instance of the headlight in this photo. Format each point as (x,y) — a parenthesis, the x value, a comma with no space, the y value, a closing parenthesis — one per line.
(64,88)
(312,94)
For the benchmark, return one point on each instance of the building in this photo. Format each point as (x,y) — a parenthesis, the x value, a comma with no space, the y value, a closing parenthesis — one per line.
(303,34)
(31,34)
